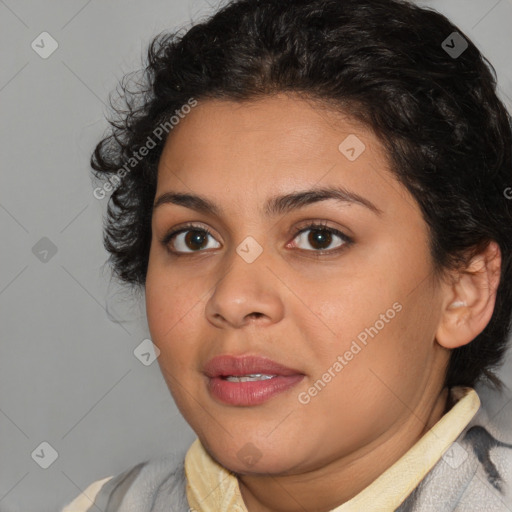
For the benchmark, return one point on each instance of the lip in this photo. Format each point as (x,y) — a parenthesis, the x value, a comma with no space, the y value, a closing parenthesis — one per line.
(236,366)
(248,393)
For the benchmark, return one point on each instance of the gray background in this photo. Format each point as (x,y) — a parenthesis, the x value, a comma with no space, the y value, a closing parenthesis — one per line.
(68,374)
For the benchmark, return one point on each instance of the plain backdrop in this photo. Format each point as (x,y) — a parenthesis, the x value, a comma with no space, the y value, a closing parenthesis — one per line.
(68,373)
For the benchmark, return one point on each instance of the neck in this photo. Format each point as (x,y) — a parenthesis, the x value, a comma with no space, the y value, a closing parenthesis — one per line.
(339,481)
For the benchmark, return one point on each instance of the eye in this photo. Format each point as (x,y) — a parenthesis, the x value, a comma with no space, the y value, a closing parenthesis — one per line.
(321,237)
(191,238)
(187,237)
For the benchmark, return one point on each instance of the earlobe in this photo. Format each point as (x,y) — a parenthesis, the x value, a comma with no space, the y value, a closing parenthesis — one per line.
(470,299)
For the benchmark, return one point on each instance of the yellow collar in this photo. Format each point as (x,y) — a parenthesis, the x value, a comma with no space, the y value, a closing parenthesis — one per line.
(213,488)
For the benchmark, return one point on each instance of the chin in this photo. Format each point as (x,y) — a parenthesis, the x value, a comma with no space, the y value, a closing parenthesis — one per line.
(262,467)
(253,458)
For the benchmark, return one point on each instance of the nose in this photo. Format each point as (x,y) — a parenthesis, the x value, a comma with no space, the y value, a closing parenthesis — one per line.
(247,293)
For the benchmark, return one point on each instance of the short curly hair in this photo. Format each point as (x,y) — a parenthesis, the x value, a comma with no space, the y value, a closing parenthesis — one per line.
(384,62)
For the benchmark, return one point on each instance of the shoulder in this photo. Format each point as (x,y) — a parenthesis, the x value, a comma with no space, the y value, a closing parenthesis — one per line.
(492,447)
(474,474)
(136,489)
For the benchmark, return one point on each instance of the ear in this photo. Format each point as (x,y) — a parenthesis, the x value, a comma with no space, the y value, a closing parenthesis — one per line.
(469,299)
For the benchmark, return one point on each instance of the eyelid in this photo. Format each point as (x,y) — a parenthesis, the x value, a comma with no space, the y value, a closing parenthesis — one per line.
(319,224)
(323,225)
(189,226)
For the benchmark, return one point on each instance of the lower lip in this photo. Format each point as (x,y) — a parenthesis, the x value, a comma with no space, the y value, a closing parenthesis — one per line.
(251,392)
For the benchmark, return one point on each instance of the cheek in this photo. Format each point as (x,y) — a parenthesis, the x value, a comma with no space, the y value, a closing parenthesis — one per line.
(166,316)
(158,311)
(379,329)
(174,312)
(169,302)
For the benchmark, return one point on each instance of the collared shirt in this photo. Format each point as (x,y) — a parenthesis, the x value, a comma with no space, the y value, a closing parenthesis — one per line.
(213,488)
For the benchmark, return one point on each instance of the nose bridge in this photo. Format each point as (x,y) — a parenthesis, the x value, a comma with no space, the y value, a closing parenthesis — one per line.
(247,287)
(247,267)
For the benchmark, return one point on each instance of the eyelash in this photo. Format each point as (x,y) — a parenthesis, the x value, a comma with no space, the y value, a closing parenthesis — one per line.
(320,226)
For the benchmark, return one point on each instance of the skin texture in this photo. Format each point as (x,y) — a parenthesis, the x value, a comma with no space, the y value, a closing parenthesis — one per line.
(299,309)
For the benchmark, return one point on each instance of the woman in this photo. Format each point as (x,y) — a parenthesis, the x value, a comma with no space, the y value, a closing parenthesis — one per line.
(312,196)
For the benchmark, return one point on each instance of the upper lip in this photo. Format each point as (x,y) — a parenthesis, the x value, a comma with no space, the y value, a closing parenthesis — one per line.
(237,366)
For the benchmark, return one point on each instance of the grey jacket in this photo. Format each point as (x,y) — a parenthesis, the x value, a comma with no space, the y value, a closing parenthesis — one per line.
(474,475)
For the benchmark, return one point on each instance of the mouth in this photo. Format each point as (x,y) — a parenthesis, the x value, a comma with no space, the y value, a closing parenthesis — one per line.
(248,380)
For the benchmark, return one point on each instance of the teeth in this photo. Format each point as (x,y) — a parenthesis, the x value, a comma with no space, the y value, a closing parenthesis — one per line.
(250,378)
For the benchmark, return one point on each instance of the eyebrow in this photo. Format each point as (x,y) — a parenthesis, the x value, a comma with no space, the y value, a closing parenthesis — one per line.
(276,205)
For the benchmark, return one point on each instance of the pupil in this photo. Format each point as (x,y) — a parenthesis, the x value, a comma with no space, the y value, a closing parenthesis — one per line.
(319,238)
(195,237)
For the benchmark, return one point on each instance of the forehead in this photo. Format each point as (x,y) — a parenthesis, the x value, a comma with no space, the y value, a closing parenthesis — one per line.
(281,132)
(245,161)
(242,153)
(287,117)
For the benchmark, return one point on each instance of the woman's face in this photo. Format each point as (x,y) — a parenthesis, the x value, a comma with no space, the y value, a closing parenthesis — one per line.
(353,317)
